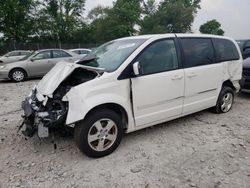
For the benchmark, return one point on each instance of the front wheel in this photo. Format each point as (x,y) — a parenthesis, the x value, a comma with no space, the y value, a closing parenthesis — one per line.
(225,100)
(99,134)
(17,75)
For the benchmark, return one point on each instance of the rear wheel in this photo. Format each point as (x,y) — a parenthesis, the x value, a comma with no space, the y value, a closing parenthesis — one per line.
(99,134)
(17,75)
(225,100)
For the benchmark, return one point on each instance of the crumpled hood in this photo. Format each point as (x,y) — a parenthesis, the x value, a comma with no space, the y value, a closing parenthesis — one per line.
(57,75)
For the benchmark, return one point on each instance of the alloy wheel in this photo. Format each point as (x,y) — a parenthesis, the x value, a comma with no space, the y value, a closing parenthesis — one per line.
(102,134)
(227,102)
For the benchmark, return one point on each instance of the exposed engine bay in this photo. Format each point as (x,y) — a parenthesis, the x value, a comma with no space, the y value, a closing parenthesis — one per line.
(45,112)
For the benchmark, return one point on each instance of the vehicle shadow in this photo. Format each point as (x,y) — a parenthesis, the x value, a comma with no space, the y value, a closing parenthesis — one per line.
(4,81)
(244,95)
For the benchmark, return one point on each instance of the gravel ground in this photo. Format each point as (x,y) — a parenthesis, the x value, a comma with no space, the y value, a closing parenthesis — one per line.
(200,150)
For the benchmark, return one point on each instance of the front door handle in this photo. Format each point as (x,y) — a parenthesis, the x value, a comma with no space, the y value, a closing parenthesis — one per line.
(191,75)
(177,77)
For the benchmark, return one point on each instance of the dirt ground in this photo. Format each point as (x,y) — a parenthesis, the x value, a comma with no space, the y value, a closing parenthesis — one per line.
(201,150)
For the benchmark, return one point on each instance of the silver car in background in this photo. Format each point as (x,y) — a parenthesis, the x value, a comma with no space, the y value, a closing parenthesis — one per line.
(36,64)
(14,56)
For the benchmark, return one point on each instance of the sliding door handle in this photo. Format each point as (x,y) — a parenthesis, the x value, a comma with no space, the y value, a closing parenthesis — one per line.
(191,75)
(177,77)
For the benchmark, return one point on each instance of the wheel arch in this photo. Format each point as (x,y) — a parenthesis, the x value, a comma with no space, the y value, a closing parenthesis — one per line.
(120,110)
(228,83)
(18,68)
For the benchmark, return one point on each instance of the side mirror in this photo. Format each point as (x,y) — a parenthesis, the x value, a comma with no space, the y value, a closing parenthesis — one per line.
(136,68)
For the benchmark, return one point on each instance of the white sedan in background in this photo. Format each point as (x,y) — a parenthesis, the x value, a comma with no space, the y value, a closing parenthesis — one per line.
(14,56)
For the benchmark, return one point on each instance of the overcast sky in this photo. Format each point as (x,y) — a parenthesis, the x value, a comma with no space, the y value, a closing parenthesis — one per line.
(232,14)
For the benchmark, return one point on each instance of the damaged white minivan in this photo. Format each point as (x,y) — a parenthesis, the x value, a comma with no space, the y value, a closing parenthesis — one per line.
(132,83)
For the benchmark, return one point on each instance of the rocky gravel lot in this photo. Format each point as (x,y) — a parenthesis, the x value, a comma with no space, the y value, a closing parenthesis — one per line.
(201,150)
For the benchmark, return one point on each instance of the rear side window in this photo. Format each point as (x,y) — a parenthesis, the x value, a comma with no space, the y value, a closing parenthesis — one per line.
(25,53)
(225,50)
(14,53)
(60,54)
(84,52)
(77,51)
(197,52)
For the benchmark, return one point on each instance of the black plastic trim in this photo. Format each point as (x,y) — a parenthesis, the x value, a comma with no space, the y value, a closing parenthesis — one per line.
(208,91)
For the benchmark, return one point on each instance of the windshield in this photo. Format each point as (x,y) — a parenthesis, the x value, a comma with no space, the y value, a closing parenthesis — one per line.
(27,56)
(112,54)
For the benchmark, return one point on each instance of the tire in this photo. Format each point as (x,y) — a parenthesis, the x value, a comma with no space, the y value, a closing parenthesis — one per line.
(225,100)
(18,75)
(99,134)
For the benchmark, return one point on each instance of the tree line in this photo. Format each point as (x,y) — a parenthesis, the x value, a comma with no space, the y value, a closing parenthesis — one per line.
(67,20)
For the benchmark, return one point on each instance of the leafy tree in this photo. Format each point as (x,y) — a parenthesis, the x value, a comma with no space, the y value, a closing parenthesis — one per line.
(171,16)
(115,22)
(58,19)
(16,19)
(149,7)
(98,12)
(62,20)
(212,27)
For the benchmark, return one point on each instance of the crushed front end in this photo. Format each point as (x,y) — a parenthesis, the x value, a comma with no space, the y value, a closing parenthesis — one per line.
(40,116)
(45,108)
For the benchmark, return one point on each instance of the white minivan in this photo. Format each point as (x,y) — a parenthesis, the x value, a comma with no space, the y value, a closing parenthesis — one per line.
(132,83)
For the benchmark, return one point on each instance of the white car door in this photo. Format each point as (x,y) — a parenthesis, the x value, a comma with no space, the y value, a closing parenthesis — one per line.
(159,89)
(203,77)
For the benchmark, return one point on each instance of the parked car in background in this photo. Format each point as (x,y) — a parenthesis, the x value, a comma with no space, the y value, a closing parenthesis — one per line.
(36,64)
(244,47)
(14,56)
(246,75)
(133,83)
(81,51)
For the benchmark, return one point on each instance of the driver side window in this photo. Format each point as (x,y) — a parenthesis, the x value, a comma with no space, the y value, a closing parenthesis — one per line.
(42,55)
(158,57)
